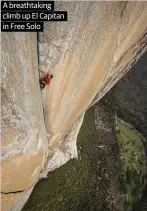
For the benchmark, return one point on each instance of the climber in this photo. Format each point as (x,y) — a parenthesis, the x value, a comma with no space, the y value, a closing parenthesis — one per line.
(46,80)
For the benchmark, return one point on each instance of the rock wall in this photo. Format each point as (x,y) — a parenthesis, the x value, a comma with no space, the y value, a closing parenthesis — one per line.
(24,137)
(93,181)
(86,55)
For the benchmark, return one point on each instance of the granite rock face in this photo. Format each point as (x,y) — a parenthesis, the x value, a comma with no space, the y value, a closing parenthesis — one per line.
(24,137)
(87,55)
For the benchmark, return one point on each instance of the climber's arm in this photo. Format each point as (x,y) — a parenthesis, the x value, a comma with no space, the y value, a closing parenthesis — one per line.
(43,71)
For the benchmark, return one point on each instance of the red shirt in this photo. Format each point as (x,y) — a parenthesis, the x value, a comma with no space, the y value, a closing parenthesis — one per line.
(47,79)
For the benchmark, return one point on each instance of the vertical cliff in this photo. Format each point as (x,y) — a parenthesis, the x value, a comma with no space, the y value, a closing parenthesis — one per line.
(24,137)
(87,55)
(101,174)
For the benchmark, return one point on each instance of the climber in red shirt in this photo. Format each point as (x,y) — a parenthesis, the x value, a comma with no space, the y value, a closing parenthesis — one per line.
(46,80)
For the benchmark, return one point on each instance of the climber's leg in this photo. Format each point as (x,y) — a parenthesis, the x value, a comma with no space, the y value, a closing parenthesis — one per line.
(42,84)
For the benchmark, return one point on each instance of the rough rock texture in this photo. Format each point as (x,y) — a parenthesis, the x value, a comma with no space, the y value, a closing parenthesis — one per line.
(83,185)
(9,199)
(87,55)
(65,151)
(24,137)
